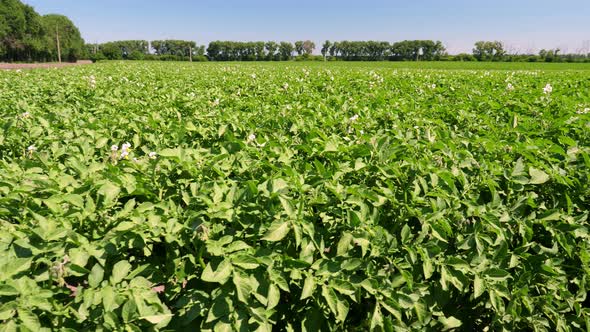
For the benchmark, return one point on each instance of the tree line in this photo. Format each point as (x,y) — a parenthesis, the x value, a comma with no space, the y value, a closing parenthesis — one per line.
(407,50)
(27,36)
(176,50)
(273,51)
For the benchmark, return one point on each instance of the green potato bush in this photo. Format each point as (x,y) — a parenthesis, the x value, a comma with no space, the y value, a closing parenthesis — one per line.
(293,197)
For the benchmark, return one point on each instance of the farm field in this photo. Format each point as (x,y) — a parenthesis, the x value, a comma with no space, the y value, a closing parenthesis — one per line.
(295,196)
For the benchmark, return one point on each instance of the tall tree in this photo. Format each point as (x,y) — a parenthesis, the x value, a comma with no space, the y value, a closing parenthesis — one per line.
(286,50)
(271,50)
(488,50)
(299,47)
(22,35)
(71,43)
(308,47)
(326,48)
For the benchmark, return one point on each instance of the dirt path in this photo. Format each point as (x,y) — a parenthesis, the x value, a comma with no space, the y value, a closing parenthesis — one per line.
(42,65)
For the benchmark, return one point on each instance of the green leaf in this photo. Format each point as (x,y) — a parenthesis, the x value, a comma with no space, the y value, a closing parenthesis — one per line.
(308,287)
(75,200)
(351,264)
(7,290)
(237,246)
(478,287)
(277,231)
(538,176)
(108,299)
(222,307)
(405,233)
(129,312)
(120,271)
(96,275)
(287,206)
(245,261)
(109,190)
(342,286)
(157,319)
(274,296)
(7,310)
(427,267)
(496,274)
(222,326)
(344,244)
(28,319)
(170,153)
(243,287)
(338,307)
(220,275)
(518,169)
(9,326)
(449,323)
(377,318)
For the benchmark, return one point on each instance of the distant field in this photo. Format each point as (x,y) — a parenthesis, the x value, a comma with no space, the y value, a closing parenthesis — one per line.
(361,64)
(451,65)
(140,196)
(482,65)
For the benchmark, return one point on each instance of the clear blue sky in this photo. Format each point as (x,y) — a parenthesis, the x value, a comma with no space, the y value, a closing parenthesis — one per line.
(523,25)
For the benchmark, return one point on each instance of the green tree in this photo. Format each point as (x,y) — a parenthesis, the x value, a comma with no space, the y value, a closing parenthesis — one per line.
(21,32)
(488,50)
(286,50)
(308,47)
(326,48)
(299,47)
(71,43)
(271,50)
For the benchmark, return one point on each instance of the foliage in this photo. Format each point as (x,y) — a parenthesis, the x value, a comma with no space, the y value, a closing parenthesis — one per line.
(174,47)
(417,50)
(27,36)
(489,51)
(124,49)
(71,43)
(464,57)
(249,51)
(300,196)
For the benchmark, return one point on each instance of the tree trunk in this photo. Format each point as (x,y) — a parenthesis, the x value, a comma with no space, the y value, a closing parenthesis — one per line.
(58,46)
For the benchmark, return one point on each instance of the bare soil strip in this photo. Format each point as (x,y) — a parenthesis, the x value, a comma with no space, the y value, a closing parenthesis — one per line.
(42,65)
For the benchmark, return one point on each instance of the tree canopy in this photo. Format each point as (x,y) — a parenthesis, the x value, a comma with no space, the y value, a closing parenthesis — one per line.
(27,36)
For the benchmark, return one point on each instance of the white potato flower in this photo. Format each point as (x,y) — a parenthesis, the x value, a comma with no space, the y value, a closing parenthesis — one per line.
(114,148)
(547,89)
(31,148)
(510,87)
(152,155)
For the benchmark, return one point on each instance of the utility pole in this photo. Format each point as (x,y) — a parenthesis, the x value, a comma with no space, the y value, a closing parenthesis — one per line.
(190,53)
(58,47)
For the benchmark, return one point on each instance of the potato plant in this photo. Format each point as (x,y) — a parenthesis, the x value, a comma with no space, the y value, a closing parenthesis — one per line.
(293,197)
